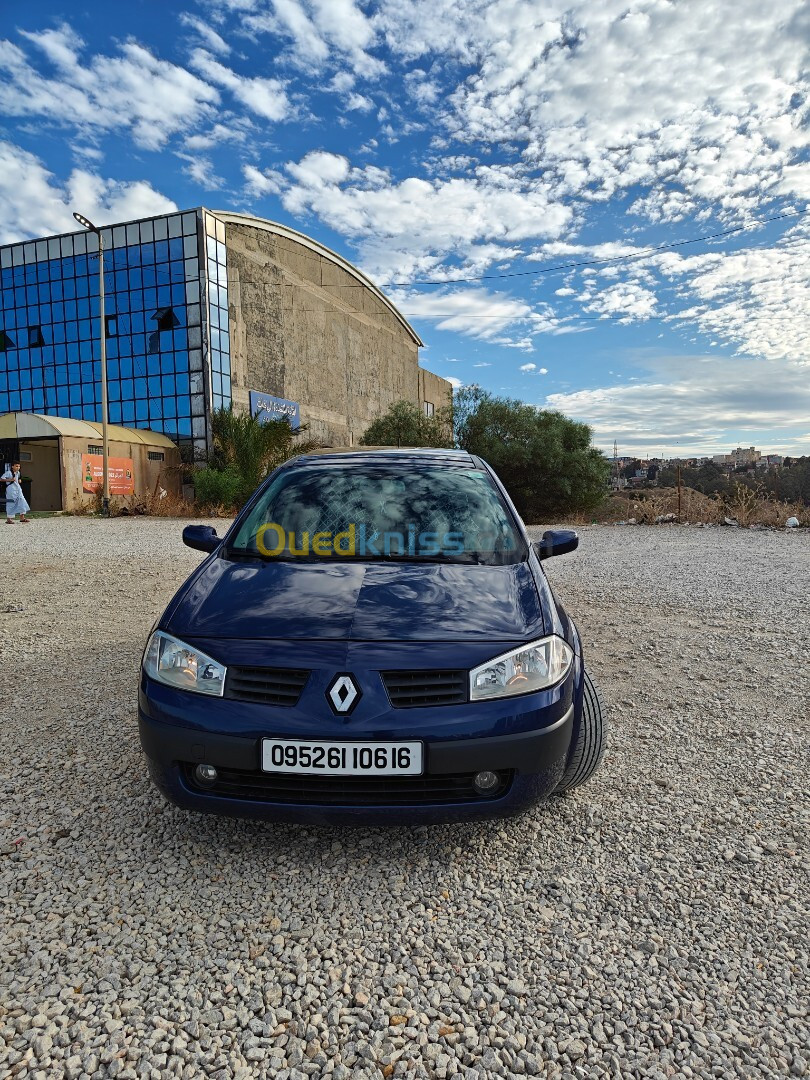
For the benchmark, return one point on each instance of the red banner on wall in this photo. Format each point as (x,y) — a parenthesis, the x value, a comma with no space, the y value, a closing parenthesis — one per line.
(120,472)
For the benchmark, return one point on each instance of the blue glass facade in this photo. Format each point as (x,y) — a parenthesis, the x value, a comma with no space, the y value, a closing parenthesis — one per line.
(167,332)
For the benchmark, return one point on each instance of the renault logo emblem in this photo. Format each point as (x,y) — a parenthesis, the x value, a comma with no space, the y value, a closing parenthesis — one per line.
(343,694)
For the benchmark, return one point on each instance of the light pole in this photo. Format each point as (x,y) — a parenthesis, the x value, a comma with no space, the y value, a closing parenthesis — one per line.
(105,450)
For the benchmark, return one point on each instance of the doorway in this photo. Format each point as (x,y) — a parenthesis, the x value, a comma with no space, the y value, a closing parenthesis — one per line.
(39,459)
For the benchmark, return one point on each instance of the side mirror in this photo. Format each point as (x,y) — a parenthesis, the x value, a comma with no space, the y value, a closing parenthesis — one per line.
(556,542)
(200,537)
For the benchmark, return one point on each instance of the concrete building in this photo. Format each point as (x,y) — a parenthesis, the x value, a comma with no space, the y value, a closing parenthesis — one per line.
(745,455)
(204,309)
(742,455)
(62,459)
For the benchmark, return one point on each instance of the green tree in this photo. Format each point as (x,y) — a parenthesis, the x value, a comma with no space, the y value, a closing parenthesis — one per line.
(406,425)
(245,450)
(708,478)
(791,484)
(544,458)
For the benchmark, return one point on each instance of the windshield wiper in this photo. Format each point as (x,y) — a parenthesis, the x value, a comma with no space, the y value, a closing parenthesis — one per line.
(244,553)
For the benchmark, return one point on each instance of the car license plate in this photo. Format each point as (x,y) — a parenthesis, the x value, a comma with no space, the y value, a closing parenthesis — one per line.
(341,758)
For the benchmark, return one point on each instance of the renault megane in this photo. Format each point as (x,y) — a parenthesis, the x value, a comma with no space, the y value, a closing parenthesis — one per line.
(374,640)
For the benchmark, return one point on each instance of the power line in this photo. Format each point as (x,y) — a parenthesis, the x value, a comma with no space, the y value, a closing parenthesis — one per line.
(640,254)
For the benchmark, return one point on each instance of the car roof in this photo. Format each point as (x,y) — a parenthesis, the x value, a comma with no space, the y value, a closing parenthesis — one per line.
(388,455)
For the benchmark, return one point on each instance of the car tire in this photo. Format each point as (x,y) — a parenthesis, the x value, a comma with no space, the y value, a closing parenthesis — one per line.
(589,746)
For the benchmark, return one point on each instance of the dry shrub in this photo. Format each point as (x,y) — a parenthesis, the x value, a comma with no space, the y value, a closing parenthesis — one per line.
(646,506)
(752,506)
(745,505)
(168,504)
(82,510)
(160,503)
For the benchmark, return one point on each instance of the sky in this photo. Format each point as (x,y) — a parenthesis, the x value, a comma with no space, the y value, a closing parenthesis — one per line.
(600,207)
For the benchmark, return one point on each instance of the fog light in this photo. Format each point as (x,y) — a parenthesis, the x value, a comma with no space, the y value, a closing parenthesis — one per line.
(205,775)
(485,781)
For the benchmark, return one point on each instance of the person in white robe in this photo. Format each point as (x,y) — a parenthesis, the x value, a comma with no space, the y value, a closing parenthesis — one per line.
(15,500)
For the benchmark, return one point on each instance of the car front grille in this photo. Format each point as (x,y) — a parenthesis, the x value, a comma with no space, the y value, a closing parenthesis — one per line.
(346,790)
(270,686)
(412,689)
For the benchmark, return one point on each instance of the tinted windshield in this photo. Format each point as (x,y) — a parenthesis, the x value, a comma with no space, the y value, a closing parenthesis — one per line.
(429,513)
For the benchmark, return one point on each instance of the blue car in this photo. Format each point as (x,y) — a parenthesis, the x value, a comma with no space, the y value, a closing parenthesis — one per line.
(374,641)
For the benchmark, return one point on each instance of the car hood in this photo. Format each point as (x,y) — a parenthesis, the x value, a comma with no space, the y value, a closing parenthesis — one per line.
(357,602)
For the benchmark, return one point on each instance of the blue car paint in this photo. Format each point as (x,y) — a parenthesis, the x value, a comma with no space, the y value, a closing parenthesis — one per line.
(360,602)
(361,617)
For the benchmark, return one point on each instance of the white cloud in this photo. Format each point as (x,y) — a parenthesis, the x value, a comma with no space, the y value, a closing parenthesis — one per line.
(482,363)
(475,312)
(706,103)
(201,171)
(88,153)
(208,36)
(528,367)
(410,226)
(757,298)
(696,405)
(218,135)
(454,382)
(259,183)
(264,97)
(359,103)
(342,82)
(706,115)
(625,301)
(421,88)
(134,90)
(320,32)
(33,203)
(543,371)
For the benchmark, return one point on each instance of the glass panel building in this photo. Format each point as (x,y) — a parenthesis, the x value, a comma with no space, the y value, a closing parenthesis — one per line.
(204,310)
(167,326)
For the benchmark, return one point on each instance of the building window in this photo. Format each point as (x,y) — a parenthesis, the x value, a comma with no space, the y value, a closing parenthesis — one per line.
(25,455)
(428,407)
(95,450)
(155,455)
(35,338)
(111,323)
(166,318)
(6,341)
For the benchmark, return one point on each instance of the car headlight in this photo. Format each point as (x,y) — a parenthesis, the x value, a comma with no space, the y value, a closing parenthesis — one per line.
(522,671)
(173,662)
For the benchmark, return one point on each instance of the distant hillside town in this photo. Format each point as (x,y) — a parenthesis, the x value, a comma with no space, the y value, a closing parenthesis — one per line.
(631,471)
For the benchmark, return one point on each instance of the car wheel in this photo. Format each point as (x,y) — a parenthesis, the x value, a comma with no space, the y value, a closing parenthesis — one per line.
(589,746)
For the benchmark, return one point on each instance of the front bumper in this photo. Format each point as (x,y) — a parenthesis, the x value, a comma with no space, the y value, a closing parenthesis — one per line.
(532,763)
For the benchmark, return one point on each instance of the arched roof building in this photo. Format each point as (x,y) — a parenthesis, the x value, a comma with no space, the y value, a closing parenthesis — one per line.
(204,309)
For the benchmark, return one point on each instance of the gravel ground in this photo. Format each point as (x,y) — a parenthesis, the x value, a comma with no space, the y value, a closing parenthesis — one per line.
(653,923)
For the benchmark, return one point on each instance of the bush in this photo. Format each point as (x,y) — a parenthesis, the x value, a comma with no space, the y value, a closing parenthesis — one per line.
(406,425)
(218,487)
(246,449)
(544,459)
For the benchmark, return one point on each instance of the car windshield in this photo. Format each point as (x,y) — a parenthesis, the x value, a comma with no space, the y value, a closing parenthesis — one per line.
(429,513)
